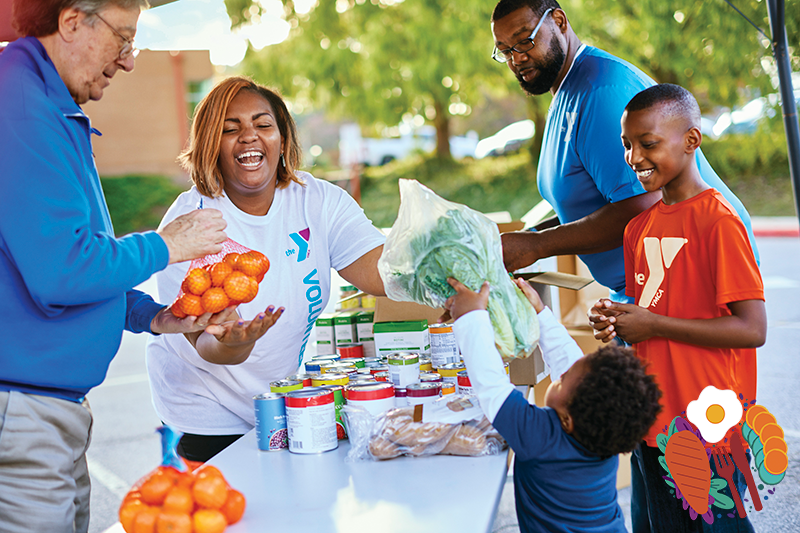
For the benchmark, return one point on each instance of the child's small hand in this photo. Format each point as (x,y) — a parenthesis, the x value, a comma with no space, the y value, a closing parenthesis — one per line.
(602,318)
(530,293)
(629,321)
(466,300)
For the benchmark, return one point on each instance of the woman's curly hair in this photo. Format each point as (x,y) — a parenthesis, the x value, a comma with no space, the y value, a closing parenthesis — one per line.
(616,402)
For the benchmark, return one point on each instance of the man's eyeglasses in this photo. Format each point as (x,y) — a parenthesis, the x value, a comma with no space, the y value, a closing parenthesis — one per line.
(128,48)
(525,45)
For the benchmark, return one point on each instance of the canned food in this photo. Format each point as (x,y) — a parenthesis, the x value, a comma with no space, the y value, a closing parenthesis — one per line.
(379,368)
(370,361)
(505,365)
(374,397)
(368,301)
(285,385)
(425,364)
(330,379)
(305,379)
(404,368)
(421,393)
(464,384)
(448,388)
(363,371)
(350,351)
(443,344)
(430,376)
(362,378)
(338,403)
(338,367)
(383,376)
(270,422)
(328,357)
(400,397)
(449,372)
(311,420)
(312,367)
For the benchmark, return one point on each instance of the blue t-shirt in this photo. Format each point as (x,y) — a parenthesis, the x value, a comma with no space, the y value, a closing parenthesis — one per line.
(582,165)
(559,485)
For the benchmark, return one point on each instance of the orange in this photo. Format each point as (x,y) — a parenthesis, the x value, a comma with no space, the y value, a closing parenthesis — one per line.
(233,509)
(214,300)
(174,522)
(249,264)
(209,521)
(240,287)
(209,470)
(191,304)
(128,511)
(262,259)
(210,491)
(185,479)
(770,430)
(198,281)
(156,487)
(145,521)
(219,272)
(179,499)
(177,311)
(231,259)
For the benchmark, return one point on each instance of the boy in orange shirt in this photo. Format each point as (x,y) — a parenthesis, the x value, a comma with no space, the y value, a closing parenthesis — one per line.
(700,310)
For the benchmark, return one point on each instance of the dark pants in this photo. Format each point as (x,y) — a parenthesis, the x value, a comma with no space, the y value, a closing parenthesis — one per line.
(204,447)
(655,510)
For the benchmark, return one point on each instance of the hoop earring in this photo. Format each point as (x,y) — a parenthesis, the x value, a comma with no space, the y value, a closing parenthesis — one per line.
(283,161)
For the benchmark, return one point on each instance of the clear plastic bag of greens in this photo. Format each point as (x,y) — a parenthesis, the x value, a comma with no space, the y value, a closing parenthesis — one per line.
(432,239)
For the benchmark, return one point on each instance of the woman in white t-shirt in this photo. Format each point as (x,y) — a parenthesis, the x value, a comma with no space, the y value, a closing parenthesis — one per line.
(242,158)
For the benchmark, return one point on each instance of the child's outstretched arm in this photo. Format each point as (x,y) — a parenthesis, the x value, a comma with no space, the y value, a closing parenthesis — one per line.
(475,338)
(559,350)
(746,327)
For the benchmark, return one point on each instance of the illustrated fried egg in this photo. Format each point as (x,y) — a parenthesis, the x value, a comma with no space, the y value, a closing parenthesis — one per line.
(714,412)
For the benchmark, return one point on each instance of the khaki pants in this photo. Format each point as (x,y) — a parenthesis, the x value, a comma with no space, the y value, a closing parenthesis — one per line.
(44,481)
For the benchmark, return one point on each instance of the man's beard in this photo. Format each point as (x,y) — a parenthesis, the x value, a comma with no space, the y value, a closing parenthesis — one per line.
(548,70)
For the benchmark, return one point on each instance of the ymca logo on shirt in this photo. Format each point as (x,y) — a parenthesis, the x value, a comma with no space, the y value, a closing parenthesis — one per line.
(570,125)
(301,239)
(659,254)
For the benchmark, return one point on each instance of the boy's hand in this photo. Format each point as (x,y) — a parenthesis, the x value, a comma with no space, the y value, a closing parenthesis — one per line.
(466,300)
(602,319)
(630,321)
(530,293)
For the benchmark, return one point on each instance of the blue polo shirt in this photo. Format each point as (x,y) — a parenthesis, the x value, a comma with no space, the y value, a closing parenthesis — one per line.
(582,165)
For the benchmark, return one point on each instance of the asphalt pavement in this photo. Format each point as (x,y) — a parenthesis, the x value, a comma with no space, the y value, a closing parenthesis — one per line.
(126,447)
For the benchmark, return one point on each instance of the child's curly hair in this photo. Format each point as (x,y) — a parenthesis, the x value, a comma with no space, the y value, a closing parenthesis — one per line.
(615,403)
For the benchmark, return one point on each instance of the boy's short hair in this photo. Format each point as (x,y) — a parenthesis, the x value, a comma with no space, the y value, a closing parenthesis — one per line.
(616,402)
(675,101)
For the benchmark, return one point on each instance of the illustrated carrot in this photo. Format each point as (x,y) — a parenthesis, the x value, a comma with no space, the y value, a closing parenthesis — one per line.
(688,463)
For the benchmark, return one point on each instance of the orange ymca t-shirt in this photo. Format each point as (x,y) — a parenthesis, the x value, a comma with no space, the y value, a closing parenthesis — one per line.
(688,260)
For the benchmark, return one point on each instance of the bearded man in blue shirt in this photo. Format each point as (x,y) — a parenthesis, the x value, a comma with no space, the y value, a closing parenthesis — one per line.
(582,171)
(66,282)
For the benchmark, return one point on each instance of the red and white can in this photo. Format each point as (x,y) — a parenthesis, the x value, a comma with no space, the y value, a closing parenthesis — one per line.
(464,384)
(375,397)
(311,420)
(350,351)
(422,393)
(305,379)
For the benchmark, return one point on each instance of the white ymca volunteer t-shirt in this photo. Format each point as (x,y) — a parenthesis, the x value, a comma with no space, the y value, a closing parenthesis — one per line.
(308,231)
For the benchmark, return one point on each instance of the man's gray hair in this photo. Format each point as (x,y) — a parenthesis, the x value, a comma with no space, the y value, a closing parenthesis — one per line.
(37,18)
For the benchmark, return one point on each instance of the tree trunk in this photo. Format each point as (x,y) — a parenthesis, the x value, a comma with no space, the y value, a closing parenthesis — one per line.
(442,123)
(538,113)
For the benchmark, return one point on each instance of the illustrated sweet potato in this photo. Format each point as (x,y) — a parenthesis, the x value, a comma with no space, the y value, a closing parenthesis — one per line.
(689,466)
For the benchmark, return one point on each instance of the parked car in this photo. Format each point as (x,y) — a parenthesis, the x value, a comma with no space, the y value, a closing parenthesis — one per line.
(508,139)
(353,148)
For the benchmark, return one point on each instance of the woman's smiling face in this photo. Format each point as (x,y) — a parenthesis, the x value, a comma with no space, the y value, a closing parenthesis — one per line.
(250,149)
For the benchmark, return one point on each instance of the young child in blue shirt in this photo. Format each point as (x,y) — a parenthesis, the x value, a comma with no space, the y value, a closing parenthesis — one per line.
(596,407)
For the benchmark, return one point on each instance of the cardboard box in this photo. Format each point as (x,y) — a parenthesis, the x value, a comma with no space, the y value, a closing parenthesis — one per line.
(344,324)
(410,335)
(364,332)
(326,337)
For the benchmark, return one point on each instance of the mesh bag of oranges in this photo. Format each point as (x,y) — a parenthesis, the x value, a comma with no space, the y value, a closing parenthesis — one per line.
(218,281)
(174,499)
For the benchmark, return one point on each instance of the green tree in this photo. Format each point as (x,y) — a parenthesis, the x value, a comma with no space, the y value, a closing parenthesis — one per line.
(383,61)
(706,47)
